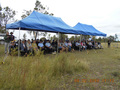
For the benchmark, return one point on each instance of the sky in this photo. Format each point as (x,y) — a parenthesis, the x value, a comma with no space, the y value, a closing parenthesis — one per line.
(104,15)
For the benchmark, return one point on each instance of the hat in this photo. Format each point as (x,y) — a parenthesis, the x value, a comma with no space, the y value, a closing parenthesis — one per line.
(40,40)
(11,32)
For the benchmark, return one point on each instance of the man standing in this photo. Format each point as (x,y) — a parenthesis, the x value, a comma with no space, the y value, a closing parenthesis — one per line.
(12,37)
(109,43)
(11,41)
(7,42)
(23,47)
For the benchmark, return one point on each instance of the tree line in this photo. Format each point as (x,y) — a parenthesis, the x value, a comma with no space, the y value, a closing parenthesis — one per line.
(7,15)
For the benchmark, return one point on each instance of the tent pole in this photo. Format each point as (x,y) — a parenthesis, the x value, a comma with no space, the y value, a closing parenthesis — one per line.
(117,44)
(105,43)
(94,41)
(19,44)
(80,38)
(80,42)
(58,43)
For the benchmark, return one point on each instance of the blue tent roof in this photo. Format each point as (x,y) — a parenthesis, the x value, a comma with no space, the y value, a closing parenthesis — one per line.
(88,30)
(40,22)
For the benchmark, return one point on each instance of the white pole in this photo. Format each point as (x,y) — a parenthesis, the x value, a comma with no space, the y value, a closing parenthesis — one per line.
(117,44)
(19,44)
(94,40)
(80,42)
(80,38)
(58,43)
(105,42)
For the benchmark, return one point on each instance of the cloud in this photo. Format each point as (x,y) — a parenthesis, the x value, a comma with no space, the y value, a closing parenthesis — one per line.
(117,26)
(104,15)
(107,26)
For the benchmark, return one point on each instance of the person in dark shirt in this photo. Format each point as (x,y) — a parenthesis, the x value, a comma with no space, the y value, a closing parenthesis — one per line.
(37,42)
(54,46)
(12,37)
(23,48)
(109,43)
(7,42)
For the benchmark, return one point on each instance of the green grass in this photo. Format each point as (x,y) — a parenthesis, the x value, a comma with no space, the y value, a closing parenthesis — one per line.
(59,72)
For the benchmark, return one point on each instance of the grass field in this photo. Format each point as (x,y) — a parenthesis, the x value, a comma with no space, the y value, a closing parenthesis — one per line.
(86,70)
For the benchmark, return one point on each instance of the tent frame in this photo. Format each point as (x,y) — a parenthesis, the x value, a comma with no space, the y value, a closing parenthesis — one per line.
(19,43)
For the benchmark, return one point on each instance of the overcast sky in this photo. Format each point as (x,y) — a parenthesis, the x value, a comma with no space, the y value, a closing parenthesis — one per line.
(104,15)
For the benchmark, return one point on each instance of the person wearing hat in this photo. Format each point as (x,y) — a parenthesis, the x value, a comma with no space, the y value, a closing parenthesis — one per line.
(12,37)
(7,42)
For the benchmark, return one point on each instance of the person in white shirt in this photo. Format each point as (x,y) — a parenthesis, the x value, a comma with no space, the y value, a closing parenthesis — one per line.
(77,45)
(96,45)
(40,45)
(66,45)
(84,47)
(48,47)
(90,44)
(29,46)
(69,46)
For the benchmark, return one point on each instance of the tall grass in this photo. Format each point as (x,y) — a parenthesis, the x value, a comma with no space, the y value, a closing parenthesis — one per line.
(38,72)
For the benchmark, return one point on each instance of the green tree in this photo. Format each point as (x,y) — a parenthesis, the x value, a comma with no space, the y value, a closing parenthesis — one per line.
(63,36)
(6,14)
(24,36)
(99,39)
(94,37)
(39,8)
(112,38)
(54,37)
(43,38)
(49,36)
(72,38)
(116,37)
(86,36)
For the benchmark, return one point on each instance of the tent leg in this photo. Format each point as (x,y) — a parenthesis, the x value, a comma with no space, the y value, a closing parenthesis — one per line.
(19,44)
(80,37)
(117,44)
(105,43)
(80,42)
(58,43)
(94,41)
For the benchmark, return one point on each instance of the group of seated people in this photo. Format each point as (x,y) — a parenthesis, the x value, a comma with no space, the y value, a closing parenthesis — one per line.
(77,45)
(27,46)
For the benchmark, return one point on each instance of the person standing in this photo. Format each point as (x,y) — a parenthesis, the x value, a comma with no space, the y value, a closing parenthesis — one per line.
(109,43)
(12,37)
(7,42)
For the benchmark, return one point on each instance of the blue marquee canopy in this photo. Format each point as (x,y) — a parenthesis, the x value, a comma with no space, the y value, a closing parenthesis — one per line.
(40,22)
(88,30)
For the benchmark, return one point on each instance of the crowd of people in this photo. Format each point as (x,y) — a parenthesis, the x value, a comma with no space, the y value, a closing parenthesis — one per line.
(48,46)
